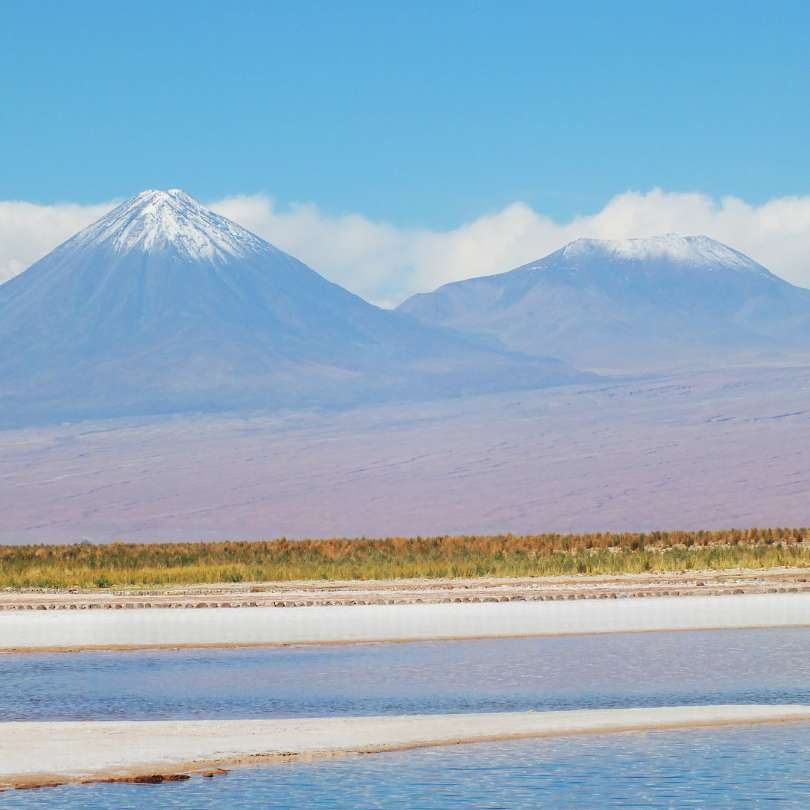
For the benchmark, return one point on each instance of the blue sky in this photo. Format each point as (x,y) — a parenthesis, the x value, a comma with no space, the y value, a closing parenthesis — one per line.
(420,114)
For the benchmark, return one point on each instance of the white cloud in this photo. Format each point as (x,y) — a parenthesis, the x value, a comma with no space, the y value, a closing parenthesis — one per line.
(386,264)
(28,231)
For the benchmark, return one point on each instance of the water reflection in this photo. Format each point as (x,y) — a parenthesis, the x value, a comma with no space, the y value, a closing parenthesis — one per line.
(736,666)
(752,767)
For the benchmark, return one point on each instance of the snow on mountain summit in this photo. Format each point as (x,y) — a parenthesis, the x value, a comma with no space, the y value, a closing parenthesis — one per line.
(163,306)
(629,305)
(696,251)
(170,220)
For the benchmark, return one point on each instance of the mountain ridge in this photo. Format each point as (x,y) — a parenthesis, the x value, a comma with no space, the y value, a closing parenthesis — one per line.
(628,305)
(699,250)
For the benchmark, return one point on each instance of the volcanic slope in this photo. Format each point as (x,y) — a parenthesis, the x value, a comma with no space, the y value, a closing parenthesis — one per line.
(164,306)
(631,305)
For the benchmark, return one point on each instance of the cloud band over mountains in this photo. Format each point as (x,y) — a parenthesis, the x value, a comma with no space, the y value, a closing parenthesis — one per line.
(385,263)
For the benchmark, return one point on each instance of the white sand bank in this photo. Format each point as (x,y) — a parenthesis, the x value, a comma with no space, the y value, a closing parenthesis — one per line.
(42,630)
(56,752)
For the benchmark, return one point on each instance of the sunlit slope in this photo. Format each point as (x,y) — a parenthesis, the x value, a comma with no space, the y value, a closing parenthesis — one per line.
(164,306)
(636,304)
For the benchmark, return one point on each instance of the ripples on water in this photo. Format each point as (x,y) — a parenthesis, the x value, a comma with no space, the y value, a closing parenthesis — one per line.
(738,666)
(755,767)
(740,767)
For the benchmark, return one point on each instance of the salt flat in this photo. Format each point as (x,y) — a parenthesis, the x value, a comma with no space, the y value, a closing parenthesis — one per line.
(41,753)
(162,627)
(688,451)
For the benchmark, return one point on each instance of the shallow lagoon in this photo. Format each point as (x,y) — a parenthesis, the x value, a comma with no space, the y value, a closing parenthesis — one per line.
(754,766)
(760,766)
(736,666)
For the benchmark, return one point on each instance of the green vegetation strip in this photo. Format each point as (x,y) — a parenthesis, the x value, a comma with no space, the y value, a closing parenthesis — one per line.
(163,564)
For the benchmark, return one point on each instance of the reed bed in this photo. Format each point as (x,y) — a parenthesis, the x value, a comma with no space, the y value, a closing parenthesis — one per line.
(166,564)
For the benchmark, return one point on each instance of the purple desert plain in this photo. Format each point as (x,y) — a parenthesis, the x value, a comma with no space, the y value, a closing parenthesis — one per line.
(699,450)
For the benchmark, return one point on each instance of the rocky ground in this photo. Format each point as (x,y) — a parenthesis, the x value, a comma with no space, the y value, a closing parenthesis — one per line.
(398,592)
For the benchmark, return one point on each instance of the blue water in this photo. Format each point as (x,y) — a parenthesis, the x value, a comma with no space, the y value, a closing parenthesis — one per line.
(651,669)
(735,767)
(763,766)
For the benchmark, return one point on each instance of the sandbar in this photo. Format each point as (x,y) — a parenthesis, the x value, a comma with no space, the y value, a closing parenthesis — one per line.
(38,754)
(33,631)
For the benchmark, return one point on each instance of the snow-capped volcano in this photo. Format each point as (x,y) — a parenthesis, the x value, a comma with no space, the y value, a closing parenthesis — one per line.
(692,251)
(155,221)
(633,304)
(162,305)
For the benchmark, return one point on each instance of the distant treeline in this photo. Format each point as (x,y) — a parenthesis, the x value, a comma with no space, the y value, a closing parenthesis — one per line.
(125,564)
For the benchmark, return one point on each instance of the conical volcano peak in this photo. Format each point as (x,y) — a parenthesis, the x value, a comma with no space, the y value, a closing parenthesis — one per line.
(173,222)
(697,251)
(163,306)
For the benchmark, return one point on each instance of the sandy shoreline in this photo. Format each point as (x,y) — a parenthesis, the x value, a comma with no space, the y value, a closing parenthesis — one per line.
(320,593)
(159,628)
(36,754)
